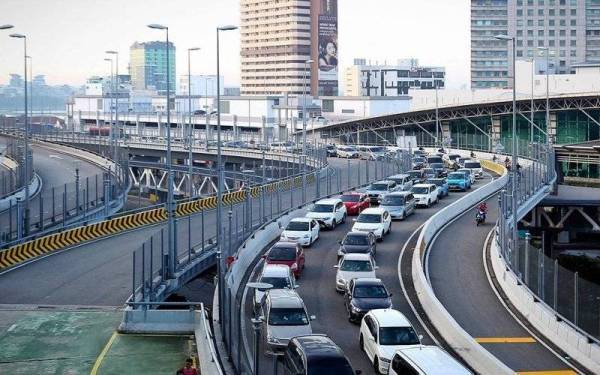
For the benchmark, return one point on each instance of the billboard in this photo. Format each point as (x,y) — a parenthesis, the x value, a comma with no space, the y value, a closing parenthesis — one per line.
(328,48)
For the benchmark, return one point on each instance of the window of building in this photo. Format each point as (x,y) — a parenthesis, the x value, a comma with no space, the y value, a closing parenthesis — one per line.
(562,23)
(550,22)
(573,22)
(541,33)
(541,3)
(573,43)
(327,105)
(519,12)
(529,12)
(573,32)
(540,43)
(519,53)
(520,23)
(551,43)
(550,32)
(529,22)
(562,12)
(530,33)
(573,53)
(573,12)
(519,32)
(562,43)
(530,43)
(540,12)
(562,32)
(551,12)
(519,43)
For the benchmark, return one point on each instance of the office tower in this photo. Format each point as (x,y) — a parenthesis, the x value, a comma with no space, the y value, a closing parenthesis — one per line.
(148,66)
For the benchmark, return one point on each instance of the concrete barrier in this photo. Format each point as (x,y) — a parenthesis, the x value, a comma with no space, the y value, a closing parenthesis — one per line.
(35,186)
(542,317)
(472,352)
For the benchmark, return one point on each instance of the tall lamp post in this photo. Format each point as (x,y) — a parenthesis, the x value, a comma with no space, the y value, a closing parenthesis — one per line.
(514,143)
(306,65)
(27,166)
(220,178)
(547,53)
(117,133)
(191,125)
(30,85)
(170,201)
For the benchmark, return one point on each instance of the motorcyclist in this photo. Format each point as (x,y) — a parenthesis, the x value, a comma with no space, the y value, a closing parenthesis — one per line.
(482,210)
(472,154)
(507,163)
(494,158)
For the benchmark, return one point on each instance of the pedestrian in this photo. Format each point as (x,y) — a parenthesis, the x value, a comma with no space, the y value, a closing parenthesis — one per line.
(188,369)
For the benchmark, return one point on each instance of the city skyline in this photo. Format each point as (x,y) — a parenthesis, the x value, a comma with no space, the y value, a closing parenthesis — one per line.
(83,40)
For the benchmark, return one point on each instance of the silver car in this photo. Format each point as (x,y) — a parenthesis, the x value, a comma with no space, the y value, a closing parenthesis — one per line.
(399,204)
(283,317)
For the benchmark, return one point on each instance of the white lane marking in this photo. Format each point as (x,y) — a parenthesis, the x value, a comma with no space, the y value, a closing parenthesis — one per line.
(406,297)
(55,157)
(493,287)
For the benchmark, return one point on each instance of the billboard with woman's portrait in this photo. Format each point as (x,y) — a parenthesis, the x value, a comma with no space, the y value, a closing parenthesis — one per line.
(328,48)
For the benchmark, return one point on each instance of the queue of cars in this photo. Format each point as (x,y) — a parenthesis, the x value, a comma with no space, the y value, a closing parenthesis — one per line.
(386,336)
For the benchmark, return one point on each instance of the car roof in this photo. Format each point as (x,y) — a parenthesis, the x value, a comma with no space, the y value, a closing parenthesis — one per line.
(285,244)
(357,234)
(373,210)
(383,182)
(357,256)
(285,298)
(401,175)
(436,179)
(431,359)
(316,345)
(368,281)
(423,185)
(302,219)
(398,194)
(353,193)
(276,270)
(390,318)
(328,201)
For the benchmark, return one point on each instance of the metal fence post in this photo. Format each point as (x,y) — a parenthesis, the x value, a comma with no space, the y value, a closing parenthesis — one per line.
(77,191)
(19,218)
(189,238)
(230,247)
(133,279)
(41,224)
(527,244)
(202,222)
(555,285)
(576,294)
(348,177)
(144,272)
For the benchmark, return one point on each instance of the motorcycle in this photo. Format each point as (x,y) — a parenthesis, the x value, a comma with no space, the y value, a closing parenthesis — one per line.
(480,217)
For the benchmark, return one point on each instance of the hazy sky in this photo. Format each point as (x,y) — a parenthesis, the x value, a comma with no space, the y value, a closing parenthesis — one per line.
(67,38)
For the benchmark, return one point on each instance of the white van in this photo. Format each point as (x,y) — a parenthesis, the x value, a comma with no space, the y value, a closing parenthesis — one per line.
(425,360)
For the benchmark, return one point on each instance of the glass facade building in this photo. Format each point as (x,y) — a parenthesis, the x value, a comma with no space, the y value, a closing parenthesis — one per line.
(148,66)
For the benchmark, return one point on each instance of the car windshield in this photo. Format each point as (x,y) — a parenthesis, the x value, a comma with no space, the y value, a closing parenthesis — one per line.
(322,208)
(287,317)
(377,149)
(350,198)
(456,176)
(378,187)
(319,365)
(429,171)
(462,160)
(453,157)
(420,190)
(369,218)
(399,180)
(437,181)
(393,201)
(414,174)
(282,253)
(370,291)
(434,159)
(419,160)
(465,171)
(356,240)
(472,164)
(277,282)
(437,166)
(356,266)
(398,336)
(297,226)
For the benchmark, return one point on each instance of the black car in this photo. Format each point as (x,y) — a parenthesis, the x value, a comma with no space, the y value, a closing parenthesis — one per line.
(358,242)
(315,354)
(331,150)
(439,169)
(419,163)
(364,295)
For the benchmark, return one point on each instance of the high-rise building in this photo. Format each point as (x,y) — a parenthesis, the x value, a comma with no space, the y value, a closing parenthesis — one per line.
(568,28)
(277,40)
(365,79)
(148,66)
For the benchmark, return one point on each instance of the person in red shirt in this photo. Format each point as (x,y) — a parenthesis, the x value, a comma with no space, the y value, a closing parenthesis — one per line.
(189,369)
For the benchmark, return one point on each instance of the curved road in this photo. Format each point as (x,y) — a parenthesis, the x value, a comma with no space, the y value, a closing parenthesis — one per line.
(460,282)
(100,273)
(317,283)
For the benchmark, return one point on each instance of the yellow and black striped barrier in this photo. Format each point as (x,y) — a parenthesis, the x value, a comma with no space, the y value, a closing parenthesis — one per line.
(71,237)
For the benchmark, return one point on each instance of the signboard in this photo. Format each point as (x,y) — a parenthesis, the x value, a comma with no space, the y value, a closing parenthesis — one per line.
(328,48)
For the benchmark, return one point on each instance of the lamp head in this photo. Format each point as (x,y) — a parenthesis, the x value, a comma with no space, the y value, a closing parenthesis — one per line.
(194,49)
(157,26)
(227,28)
(20,36)
(107,59)
(112,52)
(6,27)
(503,37)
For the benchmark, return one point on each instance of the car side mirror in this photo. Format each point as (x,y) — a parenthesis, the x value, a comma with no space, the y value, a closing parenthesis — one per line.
(336,266)
(376,267)
(354,220)
(340,242)
(390,295)
(312,317)
(296,286)
(420,337)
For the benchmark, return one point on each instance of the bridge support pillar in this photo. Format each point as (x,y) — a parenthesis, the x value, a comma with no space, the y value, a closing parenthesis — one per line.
(265,138)
(97,119)
(552,130)
(137,125)
(208,130)
(235,128)
(159,122)
(445,125)
(496,130)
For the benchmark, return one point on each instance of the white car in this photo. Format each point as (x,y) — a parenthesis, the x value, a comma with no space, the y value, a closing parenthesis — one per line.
(475,167)
(353,266)
(347,152)
(425,360)
(425,194)
(382,332)
(279,276)
(303,230)
(471,174)
(376,220)
(328,212)
(403,181)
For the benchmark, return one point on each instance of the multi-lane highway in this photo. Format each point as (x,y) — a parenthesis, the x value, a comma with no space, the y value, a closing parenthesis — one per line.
(100,273)
(317,283)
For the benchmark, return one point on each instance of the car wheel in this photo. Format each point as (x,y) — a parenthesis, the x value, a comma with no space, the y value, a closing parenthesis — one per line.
(349,314)
(361,343)
(428,204)
(403,216)
(344,219)
(332,224)
(376,365)
(389,228)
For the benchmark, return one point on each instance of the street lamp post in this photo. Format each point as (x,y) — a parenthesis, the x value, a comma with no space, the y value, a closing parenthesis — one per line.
(171,267)
(437,115)
(514,144)
(117,133)
(30,85)
(191,125)
(220,178)
(27,166)
(306,65)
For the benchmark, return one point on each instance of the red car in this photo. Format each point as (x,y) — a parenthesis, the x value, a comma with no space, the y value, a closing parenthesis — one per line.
(289,253)
(355,202)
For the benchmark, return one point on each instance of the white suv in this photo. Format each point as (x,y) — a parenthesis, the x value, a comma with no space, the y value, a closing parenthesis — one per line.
(425,360)
(279,276)
(425,194)
(303,230)
(382,332)
(353,266)
(376,220)
(328,212)
(475,167)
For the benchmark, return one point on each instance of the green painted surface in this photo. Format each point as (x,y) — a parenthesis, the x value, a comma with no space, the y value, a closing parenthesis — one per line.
(41,342)
(135,354)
